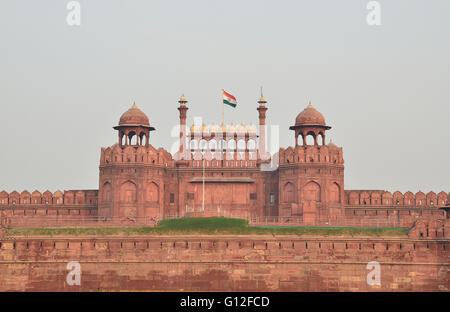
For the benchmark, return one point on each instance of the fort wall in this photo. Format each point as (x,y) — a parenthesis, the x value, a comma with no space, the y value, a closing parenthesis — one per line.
(361,208)
(58,199)
(223,263)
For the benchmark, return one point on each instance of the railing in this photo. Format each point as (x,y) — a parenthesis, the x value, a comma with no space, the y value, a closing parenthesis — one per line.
(205,214)
(343,222)
(81,221)
(381,221)
(98,221)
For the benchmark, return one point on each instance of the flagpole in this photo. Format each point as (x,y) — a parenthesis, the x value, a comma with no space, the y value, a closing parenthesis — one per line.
(223,109)
(203,193)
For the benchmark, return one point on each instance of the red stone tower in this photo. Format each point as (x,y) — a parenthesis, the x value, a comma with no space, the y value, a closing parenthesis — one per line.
(311,175)
(131,171)
(182,109)
(262,128)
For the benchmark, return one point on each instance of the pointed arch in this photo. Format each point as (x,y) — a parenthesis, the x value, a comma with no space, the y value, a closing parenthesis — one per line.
(128,192)
(289,192)
(310,138)
(335,193)
(107,192)
(152,192)
(311,191)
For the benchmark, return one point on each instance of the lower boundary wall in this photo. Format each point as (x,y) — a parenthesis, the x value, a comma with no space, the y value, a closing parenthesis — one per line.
(224,263)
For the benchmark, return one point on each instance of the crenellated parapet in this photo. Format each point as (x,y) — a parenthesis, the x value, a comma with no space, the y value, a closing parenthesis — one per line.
(138,154)
(326,154)
(396,199)
(56,199)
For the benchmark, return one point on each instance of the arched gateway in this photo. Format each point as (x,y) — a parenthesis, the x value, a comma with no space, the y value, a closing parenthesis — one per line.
(221,170)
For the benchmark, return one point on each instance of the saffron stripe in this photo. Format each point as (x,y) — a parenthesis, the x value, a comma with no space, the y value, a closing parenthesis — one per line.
(228,95)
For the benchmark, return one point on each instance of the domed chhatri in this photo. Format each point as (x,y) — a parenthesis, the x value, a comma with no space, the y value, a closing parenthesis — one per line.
(310,117)
(332,145)
(310,122)
(134,123)
(194,128)
(134,117)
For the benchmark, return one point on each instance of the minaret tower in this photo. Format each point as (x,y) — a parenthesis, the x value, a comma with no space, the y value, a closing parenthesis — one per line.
(182,109)
(262,127)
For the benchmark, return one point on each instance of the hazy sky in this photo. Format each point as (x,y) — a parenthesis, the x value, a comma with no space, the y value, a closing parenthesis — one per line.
(384,89)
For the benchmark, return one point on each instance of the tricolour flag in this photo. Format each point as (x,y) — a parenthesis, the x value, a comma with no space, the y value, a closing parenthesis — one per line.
(229,99)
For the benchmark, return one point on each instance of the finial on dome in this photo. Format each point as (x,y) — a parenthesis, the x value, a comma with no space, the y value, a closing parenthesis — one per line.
(182,100)
(262,99)
(309,105)
(134,105)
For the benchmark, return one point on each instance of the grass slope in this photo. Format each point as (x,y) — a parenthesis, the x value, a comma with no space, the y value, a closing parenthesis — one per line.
(208,226)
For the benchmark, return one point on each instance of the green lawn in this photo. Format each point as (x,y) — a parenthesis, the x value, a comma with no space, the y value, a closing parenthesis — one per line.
(208,226)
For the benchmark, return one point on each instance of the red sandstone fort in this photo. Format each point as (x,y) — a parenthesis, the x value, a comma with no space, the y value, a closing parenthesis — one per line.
(220,170)
(225,171)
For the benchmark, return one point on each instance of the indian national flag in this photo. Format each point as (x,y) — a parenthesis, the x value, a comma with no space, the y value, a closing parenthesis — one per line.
(229,99)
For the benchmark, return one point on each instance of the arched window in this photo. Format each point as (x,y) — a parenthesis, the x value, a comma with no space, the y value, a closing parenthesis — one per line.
(311,192)
(128,192)
(134,139)
(144,139)
(241,145)
(320,139)
(231,146)
(288,192)
(335,194)
(309,139)
(251,145)
(212,145)
(193,145)
(107,192)
(152,192)
(203,145)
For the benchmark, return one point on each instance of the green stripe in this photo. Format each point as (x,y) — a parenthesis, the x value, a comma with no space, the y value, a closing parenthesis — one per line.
(229,103)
